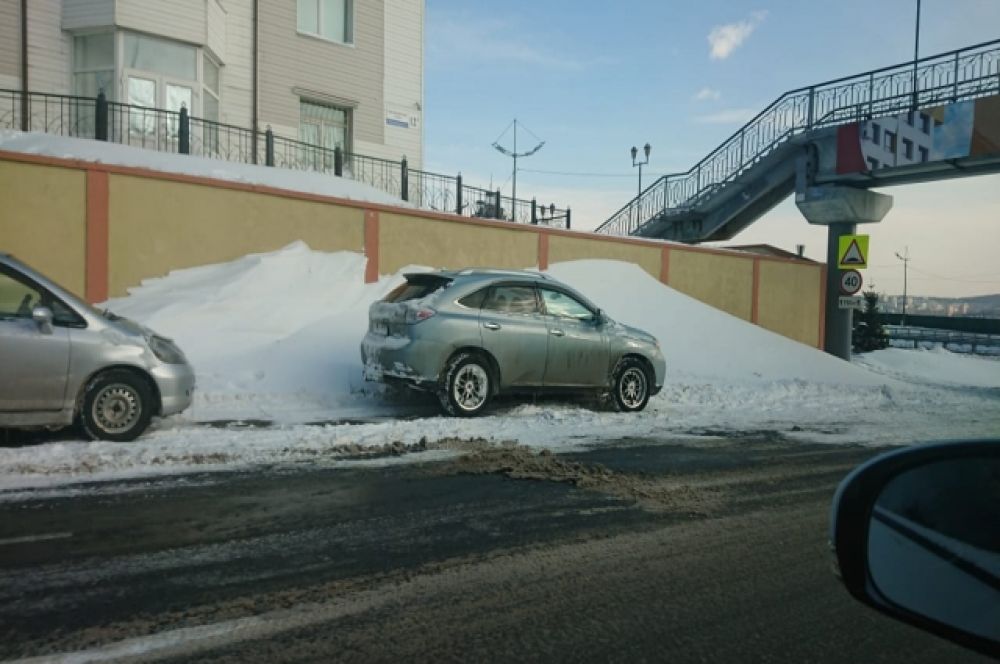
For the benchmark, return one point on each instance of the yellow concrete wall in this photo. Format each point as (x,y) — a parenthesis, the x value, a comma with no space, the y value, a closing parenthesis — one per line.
(564,248)
(789,301)
(725,282)
(155,226)
(410,240)
(43,220)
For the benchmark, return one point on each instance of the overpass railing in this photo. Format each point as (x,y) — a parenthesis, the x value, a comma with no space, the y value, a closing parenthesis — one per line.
(958,75)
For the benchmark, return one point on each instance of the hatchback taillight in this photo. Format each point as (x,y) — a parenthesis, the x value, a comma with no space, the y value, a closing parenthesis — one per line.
(418,315)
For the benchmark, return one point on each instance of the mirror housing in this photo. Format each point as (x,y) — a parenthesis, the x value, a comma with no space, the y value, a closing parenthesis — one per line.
(916,536)
(43,318)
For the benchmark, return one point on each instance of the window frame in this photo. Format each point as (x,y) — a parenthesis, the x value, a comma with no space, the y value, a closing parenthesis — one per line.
(326,154)
(539,309)
(349,14)
(540,289)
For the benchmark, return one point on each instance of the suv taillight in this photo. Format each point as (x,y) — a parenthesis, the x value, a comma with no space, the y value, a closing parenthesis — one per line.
(418,315)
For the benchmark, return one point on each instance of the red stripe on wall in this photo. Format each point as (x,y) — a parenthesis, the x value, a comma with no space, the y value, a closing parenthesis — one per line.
(543,250)
(822,308)
(755,302)
(96,257)
(371,246)
(849,156)
(665,265)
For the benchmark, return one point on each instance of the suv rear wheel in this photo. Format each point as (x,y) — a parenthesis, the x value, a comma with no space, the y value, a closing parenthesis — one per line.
(467,385)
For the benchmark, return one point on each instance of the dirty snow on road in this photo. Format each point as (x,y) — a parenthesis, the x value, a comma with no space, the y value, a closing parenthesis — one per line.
(276,337)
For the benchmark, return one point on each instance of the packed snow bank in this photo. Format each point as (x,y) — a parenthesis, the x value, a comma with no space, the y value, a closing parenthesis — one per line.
(936,366)
(700,342)
(276,336)
(124,155)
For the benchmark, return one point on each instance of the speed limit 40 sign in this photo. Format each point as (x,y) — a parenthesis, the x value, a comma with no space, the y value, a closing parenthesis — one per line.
(850,282)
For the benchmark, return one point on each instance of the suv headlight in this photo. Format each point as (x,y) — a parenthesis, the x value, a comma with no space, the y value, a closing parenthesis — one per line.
(166,350)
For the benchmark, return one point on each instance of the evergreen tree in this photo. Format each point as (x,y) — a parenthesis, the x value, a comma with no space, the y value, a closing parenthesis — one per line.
(868,334)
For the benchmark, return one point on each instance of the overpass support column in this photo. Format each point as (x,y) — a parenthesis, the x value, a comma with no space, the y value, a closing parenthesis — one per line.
(840,209)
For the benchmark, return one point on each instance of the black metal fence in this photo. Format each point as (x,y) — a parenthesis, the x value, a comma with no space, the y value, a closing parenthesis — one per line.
(178,132)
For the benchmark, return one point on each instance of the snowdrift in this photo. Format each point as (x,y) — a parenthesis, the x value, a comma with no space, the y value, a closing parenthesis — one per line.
(280,331)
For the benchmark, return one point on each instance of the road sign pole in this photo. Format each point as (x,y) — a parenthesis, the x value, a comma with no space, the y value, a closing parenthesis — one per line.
(839,322)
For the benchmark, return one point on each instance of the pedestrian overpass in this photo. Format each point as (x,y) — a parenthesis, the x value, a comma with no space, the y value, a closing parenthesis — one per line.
(874,129)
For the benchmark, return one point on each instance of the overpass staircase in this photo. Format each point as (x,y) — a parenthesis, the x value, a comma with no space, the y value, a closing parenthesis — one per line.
(792,143)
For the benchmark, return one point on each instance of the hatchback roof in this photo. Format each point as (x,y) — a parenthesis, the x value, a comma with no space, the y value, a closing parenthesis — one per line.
(489,272)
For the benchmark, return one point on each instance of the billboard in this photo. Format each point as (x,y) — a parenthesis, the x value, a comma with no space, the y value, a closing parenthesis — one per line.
(952,131)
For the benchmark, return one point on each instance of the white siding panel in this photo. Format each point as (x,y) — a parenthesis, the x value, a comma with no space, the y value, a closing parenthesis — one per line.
(183,20)
(83,14)
(215,28)
(49,48)
(237,69)
(10,43)
(354,72)
(404,67)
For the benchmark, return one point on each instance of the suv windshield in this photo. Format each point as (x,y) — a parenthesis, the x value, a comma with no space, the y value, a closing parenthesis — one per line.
(417,286)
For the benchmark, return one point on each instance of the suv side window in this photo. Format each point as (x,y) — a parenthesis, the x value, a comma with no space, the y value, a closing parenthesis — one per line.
(474,300)
(512,300)
(562,305)
(17,298)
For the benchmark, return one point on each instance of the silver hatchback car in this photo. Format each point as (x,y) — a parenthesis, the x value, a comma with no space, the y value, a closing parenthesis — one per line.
(62,360)
(472,334)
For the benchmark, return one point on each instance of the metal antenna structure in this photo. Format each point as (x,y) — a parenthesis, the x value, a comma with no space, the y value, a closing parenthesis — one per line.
(515,155)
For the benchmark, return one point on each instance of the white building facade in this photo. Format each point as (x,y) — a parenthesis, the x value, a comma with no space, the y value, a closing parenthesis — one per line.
(345,73)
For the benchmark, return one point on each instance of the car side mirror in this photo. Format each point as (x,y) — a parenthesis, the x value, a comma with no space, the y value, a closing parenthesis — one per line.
(916,535)
(43,318)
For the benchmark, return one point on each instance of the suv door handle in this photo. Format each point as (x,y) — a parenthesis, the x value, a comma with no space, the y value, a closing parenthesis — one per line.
(557,332)
(491,326)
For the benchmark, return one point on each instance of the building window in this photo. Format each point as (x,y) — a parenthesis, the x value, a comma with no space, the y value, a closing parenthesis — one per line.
(909,118)
(908,148)
(326,128)
(329,19)
(876,133)
(161,74)
(94,65)
(925,123)
(889,141)
(924,155)
(872,163)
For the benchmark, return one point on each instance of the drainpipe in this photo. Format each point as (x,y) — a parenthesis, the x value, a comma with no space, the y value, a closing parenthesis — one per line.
(253,83)
(25,124)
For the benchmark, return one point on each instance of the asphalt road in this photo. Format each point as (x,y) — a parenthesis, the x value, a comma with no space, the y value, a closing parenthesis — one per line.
(701,550)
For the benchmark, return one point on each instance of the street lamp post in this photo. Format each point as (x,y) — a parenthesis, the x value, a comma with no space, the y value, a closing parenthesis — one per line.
(916,55)
(905,257)
(635,153)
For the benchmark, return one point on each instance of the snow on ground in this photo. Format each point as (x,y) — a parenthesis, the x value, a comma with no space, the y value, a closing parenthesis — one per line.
(935,366)
(276,337)
(124,155)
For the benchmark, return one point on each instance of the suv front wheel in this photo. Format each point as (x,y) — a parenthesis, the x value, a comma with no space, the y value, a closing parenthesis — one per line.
(467,385)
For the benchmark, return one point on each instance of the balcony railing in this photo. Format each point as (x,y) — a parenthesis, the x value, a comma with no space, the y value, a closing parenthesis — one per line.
(177,132)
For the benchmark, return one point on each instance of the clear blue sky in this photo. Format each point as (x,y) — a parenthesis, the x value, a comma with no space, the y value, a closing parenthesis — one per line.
(593,79)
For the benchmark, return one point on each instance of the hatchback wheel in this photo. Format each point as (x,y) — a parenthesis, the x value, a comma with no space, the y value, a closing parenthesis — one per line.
(117,406)
(467,385)
(630,389)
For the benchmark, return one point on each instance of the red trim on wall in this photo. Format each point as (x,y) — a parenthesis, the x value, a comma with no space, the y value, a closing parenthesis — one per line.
(96,250)
(371,246)
(543,250)
(822,308)
(346,202)
(665,265)
(755,301)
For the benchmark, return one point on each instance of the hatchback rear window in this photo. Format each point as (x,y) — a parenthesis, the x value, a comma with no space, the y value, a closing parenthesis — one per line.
(417,286)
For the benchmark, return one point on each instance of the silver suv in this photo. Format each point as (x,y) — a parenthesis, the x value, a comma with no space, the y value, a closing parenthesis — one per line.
(469,335)
(62,360)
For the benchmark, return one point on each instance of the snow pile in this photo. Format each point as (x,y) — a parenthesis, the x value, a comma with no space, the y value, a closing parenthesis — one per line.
(124,155)
(276,337)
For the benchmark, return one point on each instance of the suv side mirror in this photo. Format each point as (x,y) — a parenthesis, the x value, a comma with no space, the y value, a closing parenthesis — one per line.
(916,535)
(43,318)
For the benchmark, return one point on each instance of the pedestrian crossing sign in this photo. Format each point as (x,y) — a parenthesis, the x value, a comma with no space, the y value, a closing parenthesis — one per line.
(853,252)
